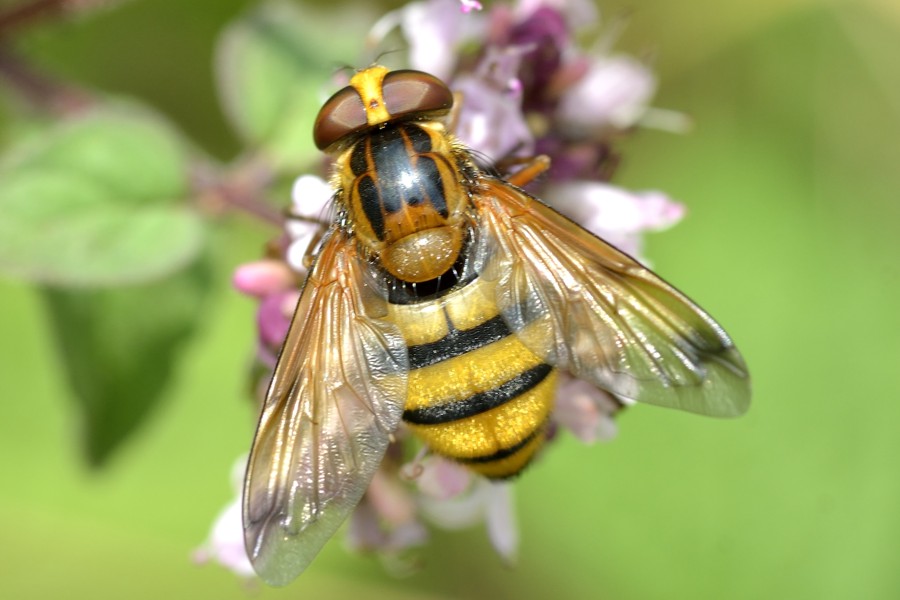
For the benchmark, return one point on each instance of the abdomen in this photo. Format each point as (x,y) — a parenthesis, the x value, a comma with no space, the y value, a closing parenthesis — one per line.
(476,394)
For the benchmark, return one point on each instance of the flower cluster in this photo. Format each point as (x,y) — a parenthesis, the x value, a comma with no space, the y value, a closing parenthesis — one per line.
(526,89)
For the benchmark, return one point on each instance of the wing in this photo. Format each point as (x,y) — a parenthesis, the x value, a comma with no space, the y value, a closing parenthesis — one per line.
(586,307)
(336,395)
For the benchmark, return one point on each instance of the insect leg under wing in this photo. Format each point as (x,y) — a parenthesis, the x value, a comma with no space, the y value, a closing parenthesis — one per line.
(586,307)
(336,395)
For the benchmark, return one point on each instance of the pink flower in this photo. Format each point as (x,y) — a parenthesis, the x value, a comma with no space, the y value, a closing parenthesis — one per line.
(586,410)
(491,120)
(484,501)
(470,5)
(434,29)
(311,197)
(262,278)
(441,479)
(387,518)
(617,215)
(276,283)
(578,13)
(274,316)
(613,94)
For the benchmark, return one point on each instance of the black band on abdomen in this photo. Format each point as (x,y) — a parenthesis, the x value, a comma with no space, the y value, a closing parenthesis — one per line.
(481,402)
(457,343)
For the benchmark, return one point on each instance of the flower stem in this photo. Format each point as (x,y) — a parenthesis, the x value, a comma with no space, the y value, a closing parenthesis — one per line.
(241,187)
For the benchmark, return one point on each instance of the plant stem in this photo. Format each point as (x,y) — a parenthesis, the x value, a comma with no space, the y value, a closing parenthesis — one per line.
(23,14)
(251,204)
(241,187)
(39,90)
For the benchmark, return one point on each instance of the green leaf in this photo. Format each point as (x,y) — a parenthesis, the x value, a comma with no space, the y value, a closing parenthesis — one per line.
(270,66)
(98,201)
(119,347)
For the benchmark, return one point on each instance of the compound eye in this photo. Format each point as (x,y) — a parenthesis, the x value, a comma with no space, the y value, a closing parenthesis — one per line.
(341,115)
(408,92)
(399,94)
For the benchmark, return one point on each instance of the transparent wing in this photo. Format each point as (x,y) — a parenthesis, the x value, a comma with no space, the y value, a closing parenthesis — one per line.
(335,397)
(586,307)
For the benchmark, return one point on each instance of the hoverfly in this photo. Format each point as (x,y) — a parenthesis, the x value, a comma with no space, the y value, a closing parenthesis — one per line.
(449,299)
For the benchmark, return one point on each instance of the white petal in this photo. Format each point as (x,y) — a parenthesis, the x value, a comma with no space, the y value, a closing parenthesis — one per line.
(226,540)
(491,120)
(460,511)
(470,5)
(617,89)
(364,530)
(310,195)
(586,411)
(443,479)
(659,211)
(434,29)
(390,499)
(502,527)
(598,205)
(302,234)
(225,544)
(603,208)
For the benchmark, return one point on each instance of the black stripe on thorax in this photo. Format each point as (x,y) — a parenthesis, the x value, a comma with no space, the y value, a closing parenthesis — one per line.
(394,169)
(457,343)
(480,402)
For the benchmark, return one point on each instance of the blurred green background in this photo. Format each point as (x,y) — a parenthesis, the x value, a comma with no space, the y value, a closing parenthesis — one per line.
(792,182)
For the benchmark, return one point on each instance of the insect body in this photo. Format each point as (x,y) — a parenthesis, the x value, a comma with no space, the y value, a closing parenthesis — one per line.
(449,299)
(475,392)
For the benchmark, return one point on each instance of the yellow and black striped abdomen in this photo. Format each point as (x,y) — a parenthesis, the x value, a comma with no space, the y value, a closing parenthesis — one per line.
(476,393)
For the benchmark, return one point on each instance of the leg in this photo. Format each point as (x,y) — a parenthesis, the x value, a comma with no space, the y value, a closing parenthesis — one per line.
(534,166)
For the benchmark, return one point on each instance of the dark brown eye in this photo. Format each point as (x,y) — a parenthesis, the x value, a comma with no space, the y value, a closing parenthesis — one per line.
(407,92)
(404,93)
(343,113)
